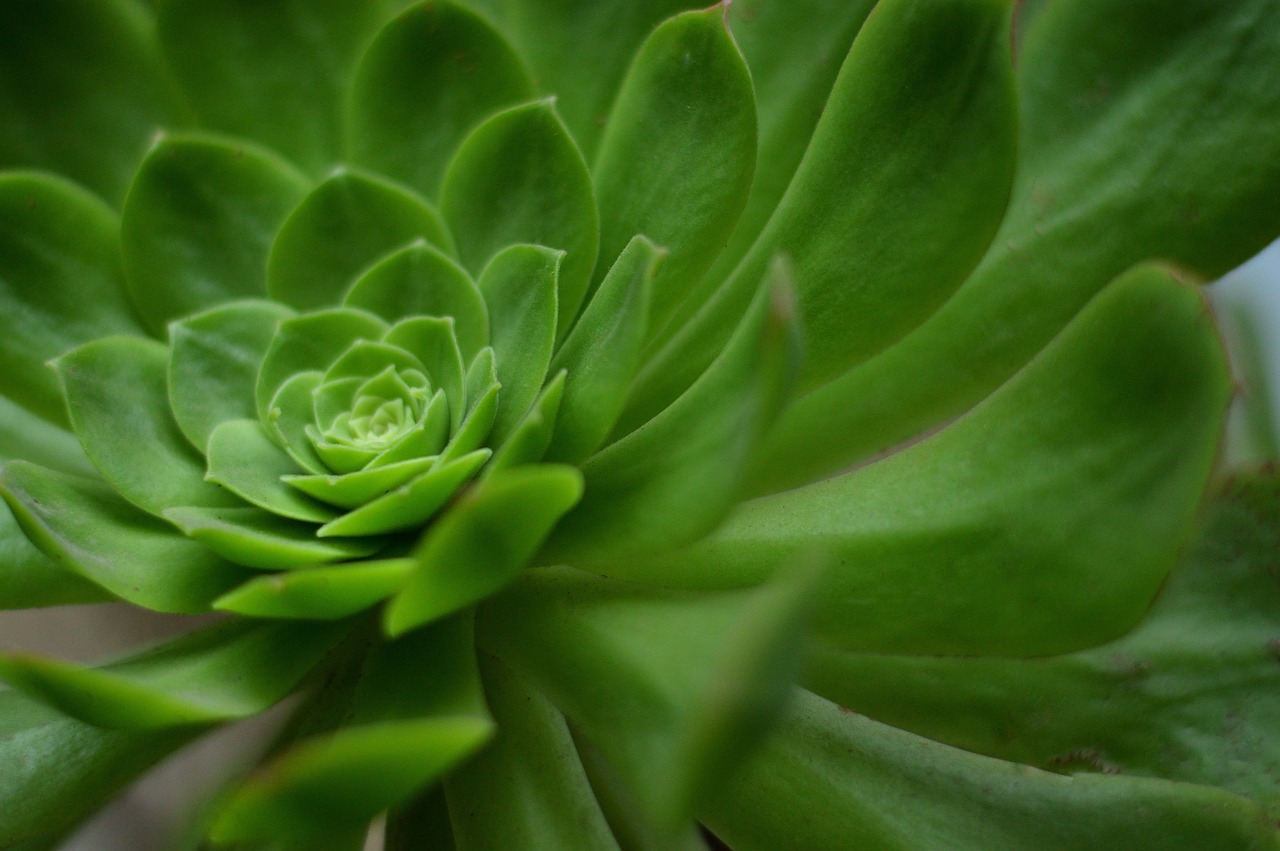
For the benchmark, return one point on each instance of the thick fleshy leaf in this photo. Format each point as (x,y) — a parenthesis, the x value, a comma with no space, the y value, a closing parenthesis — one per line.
(917,136)
(602,353)
(1188,695)
(671,687)
(312,341)
(679,152)
(341,228)
(289,417)
(82,90)
(223,673)
(86,528)
(487,537)
(579,50)
(417,710)
(319,593)
(519,178)
(673,480)
(529,440)
(54,770)
(430,76)
(433,341)
(275,72)
(1120,160)
(29,578)
(483,390)
(213,363)
(246,462)
(410,505)
(355,489)
(421,281)
(527,788)
(23,435)
(977,540)
(199,221)
(830,778)
(60,282)
(520,287)
(118,398)
(256,538)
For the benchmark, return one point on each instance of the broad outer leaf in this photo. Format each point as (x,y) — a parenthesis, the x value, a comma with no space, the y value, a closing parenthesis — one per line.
(275,72)
(1045,521)
(520,178)
(429,77)
(673,480)
(30,578)
(198,223)
(902,187)
(830,778)
(60,283)
(23,435)
(81,90)
(1188,695)
(87,528)
(342,227)
(118,399)
(678,152)
(1146,131)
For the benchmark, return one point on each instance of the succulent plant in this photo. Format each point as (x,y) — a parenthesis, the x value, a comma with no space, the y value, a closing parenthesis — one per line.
(620,425)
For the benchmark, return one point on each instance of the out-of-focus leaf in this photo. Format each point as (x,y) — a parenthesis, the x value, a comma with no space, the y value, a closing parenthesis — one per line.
(529,439)
(429,77)
(86,528)
(118,398)
(275,72)
(23,435)
(1045,521)
(830,778)
(222,673)
(213,363)
(1146,131)
(674,479)
(198,223)
(678,152)
(485,539)
(60,281)
(602,353)
(81,90)
(30,578)
(342,227)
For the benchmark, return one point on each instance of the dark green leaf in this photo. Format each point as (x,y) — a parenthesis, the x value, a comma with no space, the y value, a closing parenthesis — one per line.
(30,578)
(529,439)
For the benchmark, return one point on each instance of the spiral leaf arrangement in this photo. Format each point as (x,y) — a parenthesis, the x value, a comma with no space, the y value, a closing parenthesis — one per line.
(520,380)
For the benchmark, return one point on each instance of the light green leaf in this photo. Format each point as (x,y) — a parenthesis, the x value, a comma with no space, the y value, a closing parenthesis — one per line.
(118,398)
(60,282)
(223,673)
(529,440)
(342,227)
(519,178)
(86,528)
(1188,695)
(673,480)
(830,778)
(410,505)
(199,221)
(1129,115)
(25,435)
(432,340)
(312,341)
(318,593)
(429,77)
(245,66)
(353,490)
(214,358)
(246,462)
(259,539)
(671,687)
(82,90)
(29,578)
(527,788)
(602,353)
(55,771)
(900,191)
(485,539)
(520,287)
(678,152)
(289,417)
(421,281)
(1043,522)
